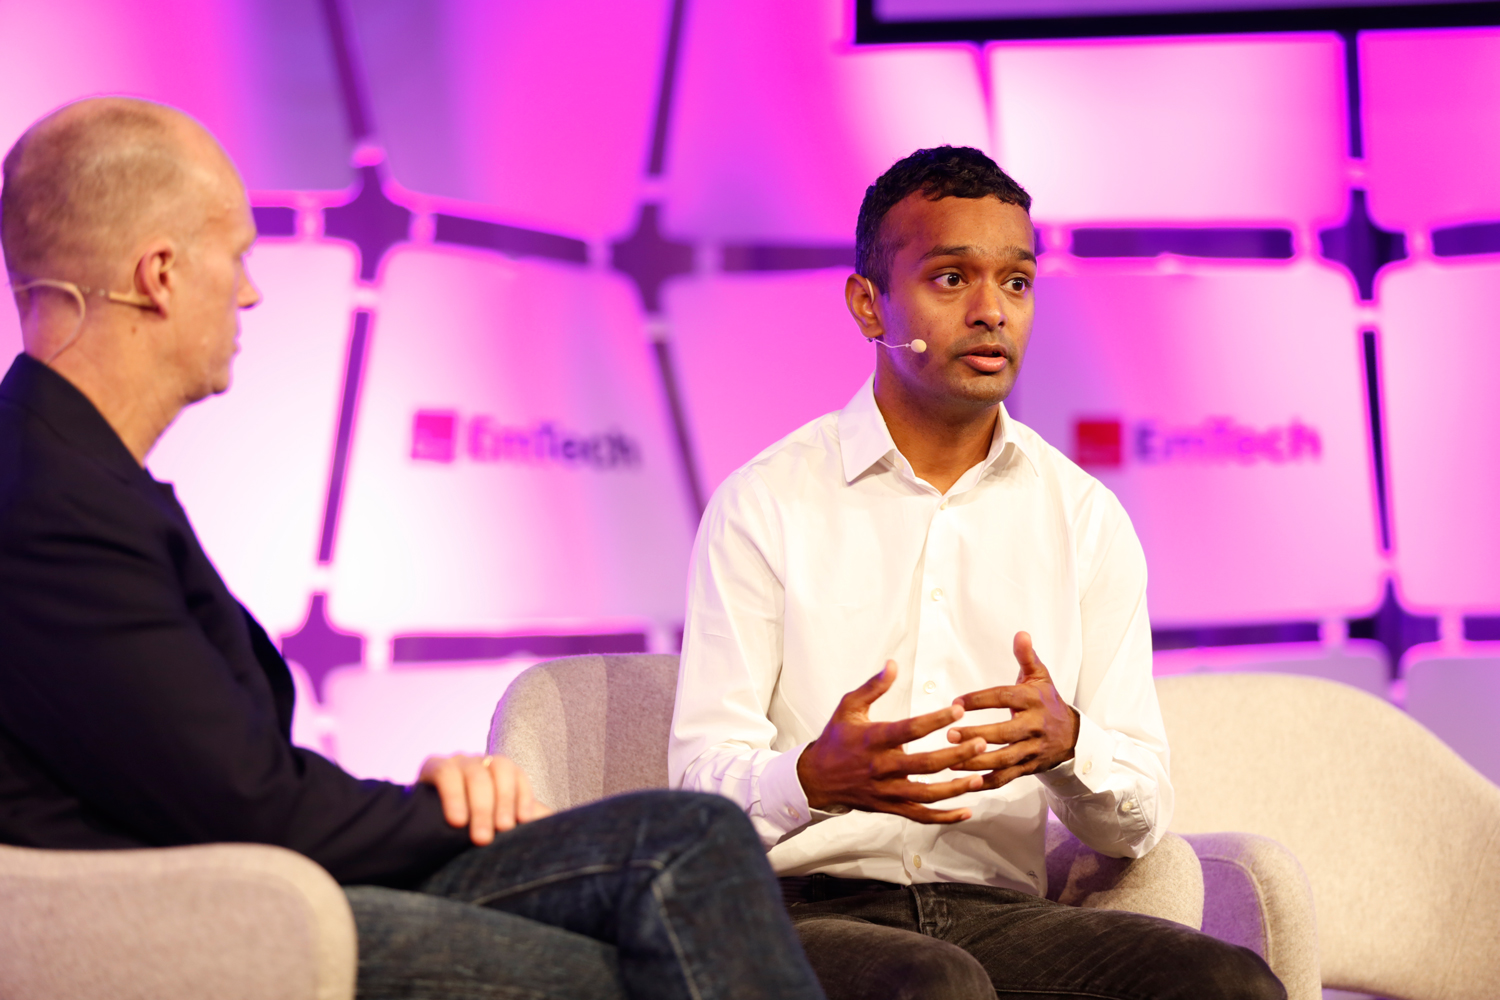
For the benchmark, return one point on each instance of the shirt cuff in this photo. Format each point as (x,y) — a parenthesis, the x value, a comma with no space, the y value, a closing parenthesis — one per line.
(783,803)
(1087,771)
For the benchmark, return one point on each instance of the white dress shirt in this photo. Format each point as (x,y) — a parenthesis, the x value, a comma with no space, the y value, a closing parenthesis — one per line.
(826,555)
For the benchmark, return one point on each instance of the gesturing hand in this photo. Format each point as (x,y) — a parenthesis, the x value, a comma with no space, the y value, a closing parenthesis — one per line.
(860,763)
(1042,729)
(483,793)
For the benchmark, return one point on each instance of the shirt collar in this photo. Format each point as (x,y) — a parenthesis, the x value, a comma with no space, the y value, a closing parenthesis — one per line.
(865,440)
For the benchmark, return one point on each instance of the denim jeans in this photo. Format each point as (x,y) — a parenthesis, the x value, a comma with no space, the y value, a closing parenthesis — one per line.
(654,894)
(953,941)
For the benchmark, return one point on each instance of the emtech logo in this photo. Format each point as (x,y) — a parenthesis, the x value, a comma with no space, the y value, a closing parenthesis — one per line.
(1106,442)
(443,435)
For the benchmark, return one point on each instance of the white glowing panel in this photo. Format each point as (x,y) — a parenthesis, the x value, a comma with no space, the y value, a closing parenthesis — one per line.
(540,111)
(1359,664)
(10,329)
(1224,408)
(1440,353)
(386,722)
(1458,698)
(759,356)
(251,466)
(1182,130)
(1432,125)
(512,465)
(780,124)
(259,76)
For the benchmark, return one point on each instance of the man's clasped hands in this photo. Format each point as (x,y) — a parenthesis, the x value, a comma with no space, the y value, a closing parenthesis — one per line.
(860,764)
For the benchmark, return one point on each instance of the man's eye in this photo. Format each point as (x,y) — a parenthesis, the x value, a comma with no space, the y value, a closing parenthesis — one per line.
(1019,285)
(950,280)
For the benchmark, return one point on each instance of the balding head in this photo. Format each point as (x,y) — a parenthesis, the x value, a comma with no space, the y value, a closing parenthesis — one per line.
(136,203)
(87,183)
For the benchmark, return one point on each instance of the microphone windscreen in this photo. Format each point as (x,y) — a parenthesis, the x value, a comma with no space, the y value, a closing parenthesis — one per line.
(918,346)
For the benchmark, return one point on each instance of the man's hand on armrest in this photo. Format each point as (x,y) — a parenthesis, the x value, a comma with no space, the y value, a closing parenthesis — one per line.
(861,764)
(1040,734)
(483,793)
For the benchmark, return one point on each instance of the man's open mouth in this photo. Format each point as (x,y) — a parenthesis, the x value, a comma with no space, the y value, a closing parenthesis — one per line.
(989,358)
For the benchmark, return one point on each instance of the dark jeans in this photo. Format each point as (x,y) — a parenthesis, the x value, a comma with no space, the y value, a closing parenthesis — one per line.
(950,940)
(655,894)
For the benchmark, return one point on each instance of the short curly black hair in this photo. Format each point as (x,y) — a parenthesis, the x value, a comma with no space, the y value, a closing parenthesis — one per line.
(940,172)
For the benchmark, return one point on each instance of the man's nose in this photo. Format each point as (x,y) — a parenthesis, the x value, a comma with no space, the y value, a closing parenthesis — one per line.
(987,307)
(250,296)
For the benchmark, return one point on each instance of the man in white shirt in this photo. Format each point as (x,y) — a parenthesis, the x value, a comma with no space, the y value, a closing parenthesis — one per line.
(924,528)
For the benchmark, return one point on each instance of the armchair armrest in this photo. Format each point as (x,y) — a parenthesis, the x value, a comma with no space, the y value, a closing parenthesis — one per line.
(1167,882)
(231,921)
(1257,895)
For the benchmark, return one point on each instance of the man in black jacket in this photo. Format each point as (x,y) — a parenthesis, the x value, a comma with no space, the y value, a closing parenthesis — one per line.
(141,705)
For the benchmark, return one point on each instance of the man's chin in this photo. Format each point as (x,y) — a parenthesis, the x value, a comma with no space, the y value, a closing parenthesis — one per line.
(986,390)
(214,385)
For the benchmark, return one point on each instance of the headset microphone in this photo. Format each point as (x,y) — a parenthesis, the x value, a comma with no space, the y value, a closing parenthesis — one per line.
(916,346)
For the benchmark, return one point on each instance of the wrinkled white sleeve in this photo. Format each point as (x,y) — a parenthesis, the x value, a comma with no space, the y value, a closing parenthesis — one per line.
(1116,793)
(731,658)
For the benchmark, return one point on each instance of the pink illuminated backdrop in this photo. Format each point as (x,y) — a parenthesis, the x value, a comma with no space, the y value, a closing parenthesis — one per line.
(538,277)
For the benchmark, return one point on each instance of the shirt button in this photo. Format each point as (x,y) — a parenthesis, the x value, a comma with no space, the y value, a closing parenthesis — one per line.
(1129,805)
(1088,766)
(916,859)
(937,593)
(943,505)
(929,687)
(791,812)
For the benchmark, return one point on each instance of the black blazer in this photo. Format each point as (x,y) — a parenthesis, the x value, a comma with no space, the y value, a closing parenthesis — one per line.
(140,704)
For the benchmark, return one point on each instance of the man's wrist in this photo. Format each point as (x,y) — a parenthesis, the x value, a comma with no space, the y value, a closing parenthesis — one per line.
(810,789)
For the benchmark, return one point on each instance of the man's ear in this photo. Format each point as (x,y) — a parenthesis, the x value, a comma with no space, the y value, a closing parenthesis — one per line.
(863,300)
(153,277)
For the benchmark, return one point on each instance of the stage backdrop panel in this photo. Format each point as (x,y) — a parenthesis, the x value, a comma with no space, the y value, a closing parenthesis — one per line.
(541,112)
(257,73)
(442,709)
(1432,126)
(1200,130)
(1440,353)
(1223,406)
(10,328)
(511,468)
(251,466)
(780,124)
(760,355)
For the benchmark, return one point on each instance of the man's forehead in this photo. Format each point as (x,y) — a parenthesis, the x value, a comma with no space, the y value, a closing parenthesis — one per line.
(986,228)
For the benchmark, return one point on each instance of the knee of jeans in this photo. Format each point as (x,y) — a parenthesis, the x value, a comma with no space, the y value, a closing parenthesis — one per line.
(1256,981)
(702,810)
(725,815)
(939,969)
(705,807)
(1236,973)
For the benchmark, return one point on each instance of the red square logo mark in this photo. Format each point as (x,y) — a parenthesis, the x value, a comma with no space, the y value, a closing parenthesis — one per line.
(433,435)
(1099,443)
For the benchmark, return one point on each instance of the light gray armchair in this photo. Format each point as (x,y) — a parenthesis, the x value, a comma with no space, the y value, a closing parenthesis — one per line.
(1400,838)
(586,727)
(228,921)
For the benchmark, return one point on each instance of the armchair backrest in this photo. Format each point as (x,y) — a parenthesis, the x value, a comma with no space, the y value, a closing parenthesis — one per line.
(585,727)
(229,921)
(1400,838)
